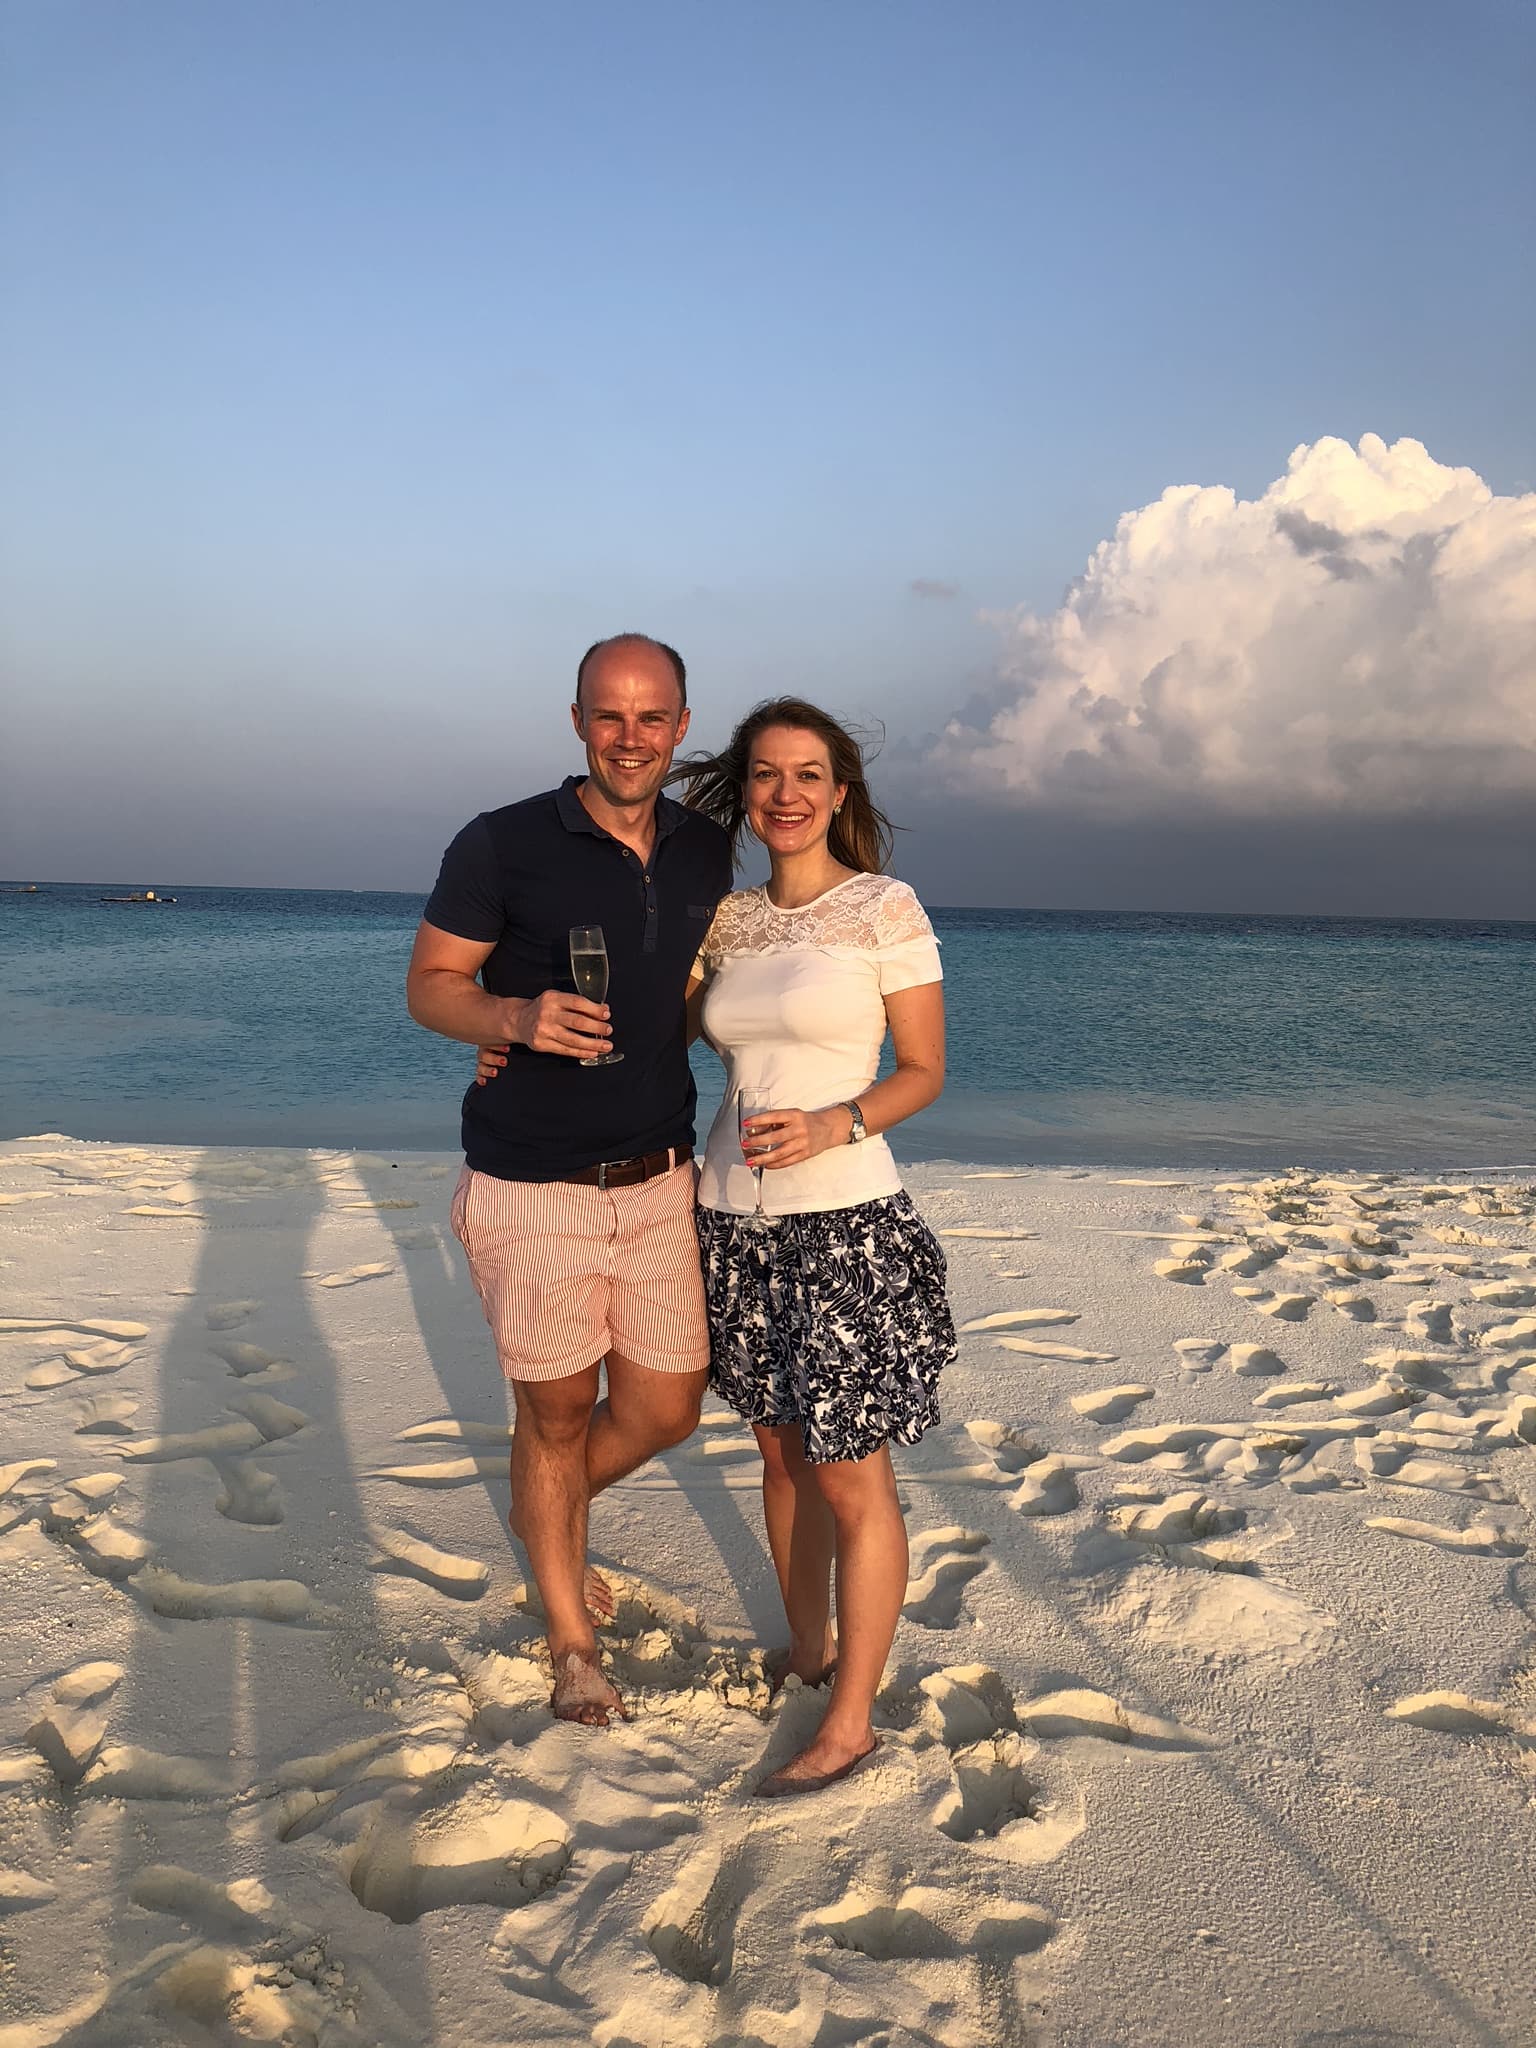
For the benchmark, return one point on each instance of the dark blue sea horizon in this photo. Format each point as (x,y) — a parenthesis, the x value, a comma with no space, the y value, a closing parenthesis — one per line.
(1198,1039)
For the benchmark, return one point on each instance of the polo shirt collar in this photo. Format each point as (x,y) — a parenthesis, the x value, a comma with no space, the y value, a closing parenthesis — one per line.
(575,816)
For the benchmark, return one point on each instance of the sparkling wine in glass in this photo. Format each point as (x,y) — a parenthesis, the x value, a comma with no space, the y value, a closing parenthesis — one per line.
(751,1102)
(589,971)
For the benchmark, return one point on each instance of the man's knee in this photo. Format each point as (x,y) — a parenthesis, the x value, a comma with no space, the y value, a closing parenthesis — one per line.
(661,1408)
(556,1413)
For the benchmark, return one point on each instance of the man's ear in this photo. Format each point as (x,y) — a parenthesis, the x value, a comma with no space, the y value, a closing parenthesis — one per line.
(576,721)
(682,723)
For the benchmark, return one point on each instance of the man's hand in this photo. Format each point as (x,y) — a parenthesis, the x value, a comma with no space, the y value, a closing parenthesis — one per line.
(560,1023)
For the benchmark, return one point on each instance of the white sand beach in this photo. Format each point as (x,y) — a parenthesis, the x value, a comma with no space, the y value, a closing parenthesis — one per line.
(1211,1715)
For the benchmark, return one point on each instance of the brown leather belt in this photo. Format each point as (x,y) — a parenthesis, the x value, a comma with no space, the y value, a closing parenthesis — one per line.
(628,1173)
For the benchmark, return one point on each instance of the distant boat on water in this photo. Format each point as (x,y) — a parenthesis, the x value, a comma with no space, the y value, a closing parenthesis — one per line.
(21,889)
(140,896)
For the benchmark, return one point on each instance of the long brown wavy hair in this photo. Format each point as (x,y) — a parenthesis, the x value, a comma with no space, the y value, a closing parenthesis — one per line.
(860,835)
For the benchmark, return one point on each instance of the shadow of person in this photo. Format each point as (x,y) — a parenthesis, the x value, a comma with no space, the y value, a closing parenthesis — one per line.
(258,1641)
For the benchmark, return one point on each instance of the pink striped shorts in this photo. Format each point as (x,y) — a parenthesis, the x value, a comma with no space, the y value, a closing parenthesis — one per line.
(567,1274)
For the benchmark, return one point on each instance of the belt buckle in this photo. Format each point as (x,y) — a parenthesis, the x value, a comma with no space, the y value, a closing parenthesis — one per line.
(605,1165)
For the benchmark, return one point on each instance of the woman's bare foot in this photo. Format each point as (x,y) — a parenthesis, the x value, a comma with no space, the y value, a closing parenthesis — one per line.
(582,1693)
(821,1763)
(814,1668)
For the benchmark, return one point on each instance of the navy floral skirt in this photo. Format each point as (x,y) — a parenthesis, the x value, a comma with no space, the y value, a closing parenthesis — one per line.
(836,1320)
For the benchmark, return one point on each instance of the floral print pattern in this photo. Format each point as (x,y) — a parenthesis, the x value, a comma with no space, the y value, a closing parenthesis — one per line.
(835,1319)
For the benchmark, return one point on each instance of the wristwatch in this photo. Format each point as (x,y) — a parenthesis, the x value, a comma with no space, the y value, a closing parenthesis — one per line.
(857,1134)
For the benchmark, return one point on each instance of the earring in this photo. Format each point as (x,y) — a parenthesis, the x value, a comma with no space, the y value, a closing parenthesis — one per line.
(835,809)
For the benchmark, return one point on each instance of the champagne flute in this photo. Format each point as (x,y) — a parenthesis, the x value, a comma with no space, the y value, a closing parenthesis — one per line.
(751,1102)
(589,971)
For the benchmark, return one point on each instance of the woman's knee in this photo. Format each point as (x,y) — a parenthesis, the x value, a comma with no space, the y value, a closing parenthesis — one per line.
(783,1459)
(856,1489)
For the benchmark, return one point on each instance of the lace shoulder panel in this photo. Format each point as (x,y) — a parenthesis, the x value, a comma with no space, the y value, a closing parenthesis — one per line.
(868,912)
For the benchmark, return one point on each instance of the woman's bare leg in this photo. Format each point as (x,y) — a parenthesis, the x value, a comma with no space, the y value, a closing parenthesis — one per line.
(871,1546)
(800,1536)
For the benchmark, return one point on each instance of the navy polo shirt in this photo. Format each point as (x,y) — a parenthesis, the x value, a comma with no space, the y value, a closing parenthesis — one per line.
(517,879)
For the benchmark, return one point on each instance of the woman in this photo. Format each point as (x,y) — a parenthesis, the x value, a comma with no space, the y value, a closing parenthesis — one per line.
(828,1326)
(828,1320)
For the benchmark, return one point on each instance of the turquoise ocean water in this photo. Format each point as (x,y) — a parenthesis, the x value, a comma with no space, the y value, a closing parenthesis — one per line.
(276,1017)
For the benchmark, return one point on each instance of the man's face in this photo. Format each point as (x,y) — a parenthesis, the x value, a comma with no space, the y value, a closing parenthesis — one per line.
(630,718)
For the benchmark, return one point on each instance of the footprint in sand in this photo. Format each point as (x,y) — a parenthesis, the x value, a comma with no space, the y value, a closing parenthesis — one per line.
(453,1847)
(989,1236)
(353,1274)
(1046,1485)
(412,1557)
(245,1359)
(219,1439)
(995,1797)
(910,1927)
(1285,1308)
(247,1494)
(451,1431)
(1295,1393)
(1457,1713)
(1068,1354)
(73,1725)
(441,1472)
(285,1600)
(1388,1458)
(1110,1404)
(691,1930)
(1199,1354)
(1188,1271)
(1478,1539)
(229,1315)
(1020,1319)
(104,1547)
(124,1771)
(105,1414)
(275,1419)
(945,1561)
(1185,1528)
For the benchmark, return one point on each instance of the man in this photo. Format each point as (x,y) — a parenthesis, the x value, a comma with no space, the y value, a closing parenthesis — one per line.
(575,1206)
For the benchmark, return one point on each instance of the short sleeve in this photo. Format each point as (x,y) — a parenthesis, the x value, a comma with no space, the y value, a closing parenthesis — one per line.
(906,951)
(467,899)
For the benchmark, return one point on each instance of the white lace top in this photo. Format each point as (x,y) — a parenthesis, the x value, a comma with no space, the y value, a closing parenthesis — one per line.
(795,1007)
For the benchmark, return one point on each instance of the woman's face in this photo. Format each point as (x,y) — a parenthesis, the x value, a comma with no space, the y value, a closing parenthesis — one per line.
(790,791)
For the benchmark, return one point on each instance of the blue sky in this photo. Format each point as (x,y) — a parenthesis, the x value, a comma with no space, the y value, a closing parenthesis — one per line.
(365,361)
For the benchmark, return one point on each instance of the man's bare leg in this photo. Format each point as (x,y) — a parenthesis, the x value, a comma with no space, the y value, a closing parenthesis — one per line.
(645,1412)
(549,1484)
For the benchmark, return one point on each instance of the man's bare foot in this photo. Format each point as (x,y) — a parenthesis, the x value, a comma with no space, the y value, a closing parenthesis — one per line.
(582,1693)
(820,1764)
(598,1594)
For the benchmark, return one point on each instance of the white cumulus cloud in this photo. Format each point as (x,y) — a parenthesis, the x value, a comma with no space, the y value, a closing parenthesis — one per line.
(1360,638)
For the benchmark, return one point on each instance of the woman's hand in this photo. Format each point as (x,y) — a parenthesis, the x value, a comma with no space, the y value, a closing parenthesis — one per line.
(489,1061)
(788,1137)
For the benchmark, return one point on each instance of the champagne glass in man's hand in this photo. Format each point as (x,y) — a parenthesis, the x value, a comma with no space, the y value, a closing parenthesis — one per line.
(589,971)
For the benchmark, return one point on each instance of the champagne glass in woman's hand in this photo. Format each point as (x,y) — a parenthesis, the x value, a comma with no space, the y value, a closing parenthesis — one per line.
(589,971)
(750,1103)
